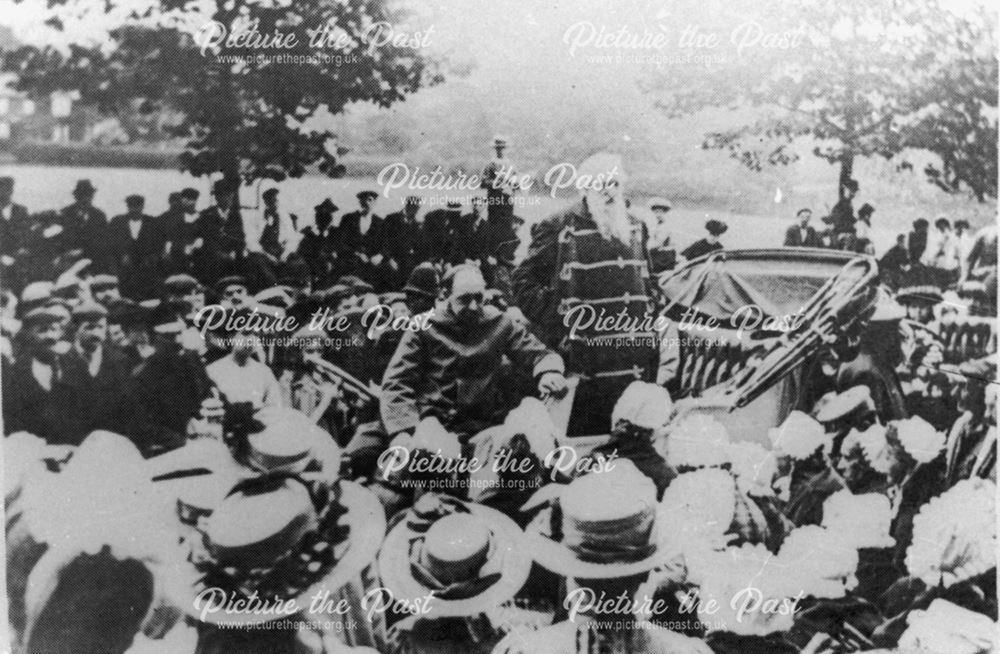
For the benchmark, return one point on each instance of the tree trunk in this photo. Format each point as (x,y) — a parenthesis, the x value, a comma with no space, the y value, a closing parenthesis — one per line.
(846,171)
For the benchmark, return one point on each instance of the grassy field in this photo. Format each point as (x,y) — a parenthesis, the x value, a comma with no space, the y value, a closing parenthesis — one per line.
(756,221)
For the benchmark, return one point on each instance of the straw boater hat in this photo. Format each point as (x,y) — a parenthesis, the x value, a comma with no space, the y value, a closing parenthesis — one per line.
(835,406)
(473,558)
(659,203)
(609,527)
(282,534)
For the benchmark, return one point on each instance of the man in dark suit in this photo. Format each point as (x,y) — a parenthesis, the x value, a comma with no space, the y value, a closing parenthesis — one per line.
(183,232)
(167,391)
(462,232)
(99,370)
(317,246)
(400,244)
(361,237)
(133,248)
(44,401)
(15,236)
(83,225)
(916,241)
(435,241)
(842,214)
(802,235)
(221,231)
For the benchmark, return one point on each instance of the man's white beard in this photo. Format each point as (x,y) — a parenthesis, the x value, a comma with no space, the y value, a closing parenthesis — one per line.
(611,218)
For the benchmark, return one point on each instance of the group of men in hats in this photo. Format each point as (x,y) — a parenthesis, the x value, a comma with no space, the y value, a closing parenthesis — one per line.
(170,354)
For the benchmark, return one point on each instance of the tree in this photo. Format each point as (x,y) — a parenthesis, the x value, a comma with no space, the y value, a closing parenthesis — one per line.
(863,79)
(240,114)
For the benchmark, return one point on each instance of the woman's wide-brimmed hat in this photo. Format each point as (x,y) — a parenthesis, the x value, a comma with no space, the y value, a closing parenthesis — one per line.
(469,558)
(609,527)
(281,555)
(286,440)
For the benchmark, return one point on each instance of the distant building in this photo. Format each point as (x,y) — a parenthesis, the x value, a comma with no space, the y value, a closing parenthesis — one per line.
(15,109)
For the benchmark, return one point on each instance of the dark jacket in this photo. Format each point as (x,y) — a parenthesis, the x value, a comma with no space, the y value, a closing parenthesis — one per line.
(82,228)
(435,242)
(15,232)
(699,249)
(452,371)
(125,253)
(351,240)
(101,394)
(916,243)
(842,216)
(222,234)
(794,238)
(52,415)
(162,396)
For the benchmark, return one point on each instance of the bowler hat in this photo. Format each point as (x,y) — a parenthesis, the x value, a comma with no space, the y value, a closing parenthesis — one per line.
(84,187)
(716,227)
(223,186)
(326,205)
(423,281)
(367,193)
(134,200)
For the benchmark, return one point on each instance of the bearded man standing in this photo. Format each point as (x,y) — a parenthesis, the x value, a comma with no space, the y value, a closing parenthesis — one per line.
(586,287)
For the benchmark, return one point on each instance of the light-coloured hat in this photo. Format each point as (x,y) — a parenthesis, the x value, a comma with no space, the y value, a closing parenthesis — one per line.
(859,520)
(254,529)
(947,627)
(799,436)
(431,436)
(834,406)
(323,547)
(531,418)
(888,310)
(954,534)
(470,557)
(609,527)
(643,405)
(659,203)
(697,440)
(288,441)
(919,438)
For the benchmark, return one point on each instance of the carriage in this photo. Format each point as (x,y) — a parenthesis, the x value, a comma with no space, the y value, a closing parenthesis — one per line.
(745,321)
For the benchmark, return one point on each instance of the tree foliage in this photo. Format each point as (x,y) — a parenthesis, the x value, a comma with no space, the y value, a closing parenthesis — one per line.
(862,79)
(239,117)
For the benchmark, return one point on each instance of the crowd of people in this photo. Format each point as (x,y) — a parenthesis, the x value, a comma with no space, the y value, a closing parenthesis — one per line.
(305,396)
